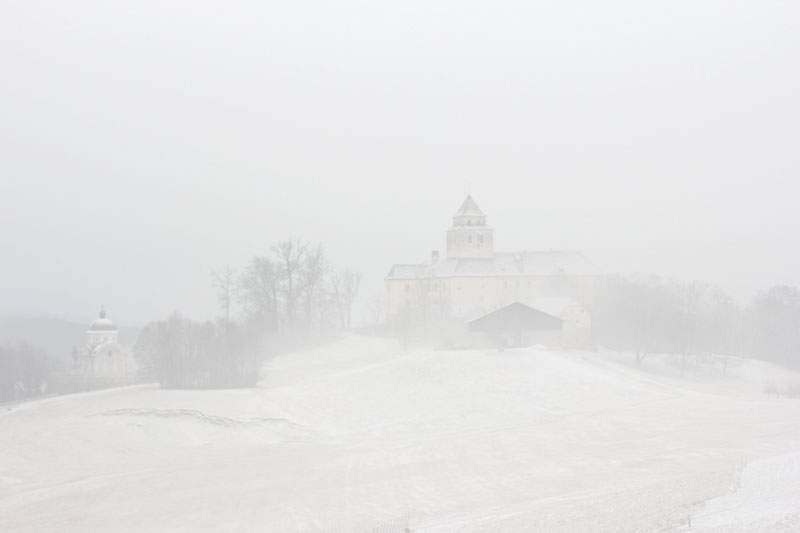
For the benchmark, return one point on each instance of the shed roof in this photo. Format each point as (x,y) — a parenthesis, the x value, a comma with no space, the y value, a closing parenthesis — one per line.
(512,318)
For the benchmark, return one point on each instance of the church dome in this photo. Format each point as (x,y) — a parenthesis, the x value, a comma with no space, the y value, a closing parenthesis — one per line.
(102,323)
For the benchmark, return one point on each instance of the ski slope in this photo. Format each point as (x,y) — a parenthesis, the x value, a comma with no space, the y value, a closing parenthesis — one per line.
(361,436)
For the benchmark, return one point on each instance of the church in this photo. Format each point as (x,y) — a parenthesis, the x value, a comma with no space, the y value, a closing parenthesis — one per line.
(472,279)
(103,359)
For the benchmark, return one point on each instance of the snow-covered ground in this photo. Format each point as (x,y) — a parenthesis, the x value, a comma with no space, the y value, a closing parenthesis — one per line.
(361,436)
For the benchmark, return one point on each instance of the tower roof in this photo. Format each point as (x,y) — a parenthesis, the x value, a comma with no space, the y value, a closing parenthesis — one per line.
(469,208)
(102,323)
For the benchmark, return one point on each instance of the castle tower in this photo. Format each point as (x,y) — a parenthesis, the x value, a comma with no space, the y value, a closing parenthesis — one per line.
(469,237)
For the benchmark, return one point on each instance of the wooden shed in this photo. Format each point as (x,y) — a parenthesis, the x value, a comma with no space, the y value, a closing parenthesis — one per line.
(512,324)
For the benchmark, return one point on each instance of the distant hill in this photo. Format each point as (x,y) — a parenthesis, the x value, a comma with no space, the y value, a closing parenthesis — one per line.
(56,337)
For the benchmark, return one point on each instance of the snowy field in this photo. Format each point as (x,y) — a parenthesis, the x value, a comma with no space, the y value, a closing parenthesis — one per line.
(361,436)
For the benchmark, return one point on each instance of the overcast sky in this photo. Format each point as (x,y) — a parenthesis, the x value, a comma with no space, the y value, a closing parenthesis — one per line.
(144,144)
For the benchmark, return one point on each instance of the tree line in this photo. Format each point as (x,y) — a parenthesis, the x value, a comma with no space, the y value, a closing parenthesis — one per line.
(287,298)
(25,371)
(650,314)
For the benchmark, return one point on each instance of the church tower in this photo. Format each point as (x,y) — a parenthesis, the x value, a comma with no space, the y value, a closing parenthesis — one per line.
(101,331)
(469,237)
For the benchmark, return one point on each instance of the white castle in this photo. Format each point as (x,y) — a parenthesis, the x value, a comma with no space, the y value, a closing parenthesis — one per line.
(473,279)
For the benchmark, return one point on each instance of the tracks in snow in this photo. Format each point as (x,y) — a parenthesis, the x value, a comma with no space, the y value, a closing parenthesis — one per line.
(200,416)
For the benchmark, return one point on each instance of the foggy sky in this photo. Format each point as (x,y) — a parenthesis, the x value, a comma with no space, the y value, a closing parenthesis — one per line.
(144,144)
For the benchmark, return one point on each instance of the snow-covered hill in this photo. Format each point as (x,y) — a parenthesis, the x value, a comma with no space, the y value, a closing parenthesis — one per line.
(360,436)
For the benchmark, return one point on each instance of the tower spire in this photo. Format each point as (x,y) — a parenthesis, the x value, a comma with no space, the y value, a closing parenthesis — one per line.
(470,209)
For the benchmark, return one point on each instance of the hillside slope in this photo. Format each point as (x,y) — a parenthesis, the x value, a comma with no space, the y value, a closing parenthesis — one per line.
(360,436)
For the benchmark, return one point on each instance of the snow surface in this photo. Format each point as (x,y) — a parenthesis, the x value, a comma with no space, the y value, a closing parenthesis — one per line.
(361,436)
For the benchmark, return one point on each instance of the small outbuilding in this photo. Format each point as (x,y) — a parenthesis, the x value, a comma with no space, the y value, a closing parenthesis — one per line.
(515,324)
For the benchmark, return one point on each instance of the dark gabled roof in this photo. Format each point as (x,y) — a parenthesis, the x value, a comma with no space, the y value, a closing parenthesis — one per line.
(469,208)
(514,317)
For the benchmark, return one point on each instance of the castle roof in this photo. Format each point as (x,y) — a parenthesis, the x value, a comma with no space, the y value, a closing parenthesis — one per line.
(469,208)
(545,263)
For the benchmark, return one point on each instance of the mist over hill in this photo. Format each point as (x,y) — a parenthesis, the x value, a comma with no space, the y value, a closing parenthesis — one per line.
(55,336)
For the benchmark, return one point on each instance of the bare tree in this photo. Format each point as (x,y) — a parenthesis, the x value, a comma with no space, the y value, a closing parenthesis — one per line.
(258,291)
(312,275)
(290,254)
(345,285)
(693,302)
(227,285)
(723,327)
(634,308)
(377,307)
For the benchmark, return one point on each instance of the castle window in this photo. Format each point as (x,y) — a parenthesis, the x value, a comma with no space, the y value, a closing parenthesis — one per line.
(469,239)
(480,238)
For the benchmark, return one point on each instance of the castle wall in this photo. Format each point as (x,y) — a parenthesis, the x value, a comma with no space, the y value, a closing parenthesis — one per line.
(474,295)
